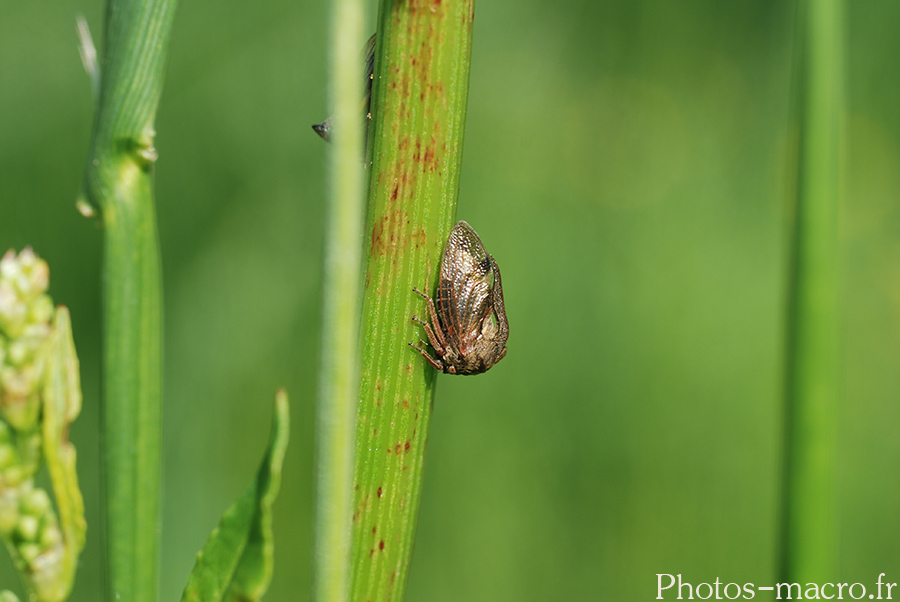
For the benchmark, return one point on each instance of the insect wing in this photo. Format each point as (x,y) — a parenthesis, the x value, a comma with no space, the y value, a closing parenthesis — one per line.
(323,129)
(370,70)
(464,291)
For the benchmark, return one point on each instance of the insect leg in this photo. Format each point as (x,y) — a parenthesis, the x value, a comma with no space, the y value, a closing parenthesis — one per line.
(436,324)
(436,363)
(432,339)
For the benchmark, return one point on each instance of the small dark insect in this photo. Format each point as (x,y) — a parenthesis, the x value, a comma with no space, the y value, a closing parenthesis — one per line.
(468,329)
(324,129)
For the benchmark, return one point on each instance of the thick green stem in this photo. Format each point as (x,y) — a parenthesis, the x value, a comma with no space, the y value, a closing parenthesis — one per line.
(118,185)
(419,106)
(810,525)
(339,380)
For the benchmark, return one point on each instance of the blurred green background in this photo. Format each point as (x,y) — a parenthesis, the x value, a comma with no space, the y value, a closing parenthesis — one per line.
(625,162)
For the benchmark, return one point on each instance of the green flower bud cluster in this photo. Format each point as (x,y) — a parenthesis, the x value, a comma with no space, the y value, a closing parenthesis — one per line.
(33,338)
(20,454)
(29,524)
(25,314)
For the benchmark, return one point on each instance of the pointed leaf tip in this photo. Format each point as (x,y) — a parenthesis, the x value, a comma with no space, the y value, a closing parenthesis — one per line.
(236,563)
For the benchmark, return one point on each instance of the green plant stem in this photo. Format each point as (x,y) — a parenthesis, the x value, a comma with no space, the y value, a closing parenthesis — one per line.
(419,106)
(118,185)
(810,525)
(339,380)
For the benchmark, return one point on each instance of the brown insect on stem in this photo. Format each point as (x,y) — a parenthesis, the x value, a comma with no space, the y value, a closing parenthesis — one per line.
(469,328)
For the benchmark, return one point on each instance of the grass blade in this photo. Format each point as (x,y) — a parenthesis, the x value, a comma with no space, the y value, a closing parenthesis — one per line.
(419,107)
(339,370)
(810,508)
(118,186)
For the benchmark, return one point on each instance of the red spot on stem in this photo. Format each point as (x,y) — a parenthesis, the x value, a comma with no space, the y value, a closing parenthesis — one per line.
(378,247)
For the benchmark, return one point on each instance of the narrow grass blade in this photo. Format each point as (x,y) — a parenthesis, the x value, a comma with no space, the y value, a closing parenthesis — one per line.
(810,507)
(339,369)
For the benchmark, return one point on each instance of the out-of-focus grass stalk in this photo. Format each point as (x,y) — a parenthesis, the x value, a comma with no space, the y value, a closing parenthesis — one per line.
(419,106)
(339,371)
(810,525)
(118,186)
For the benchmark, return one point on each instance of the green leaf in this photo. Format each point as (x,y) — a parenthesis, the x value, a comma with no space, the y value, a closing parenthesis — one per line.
(62,404)
(236,563)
